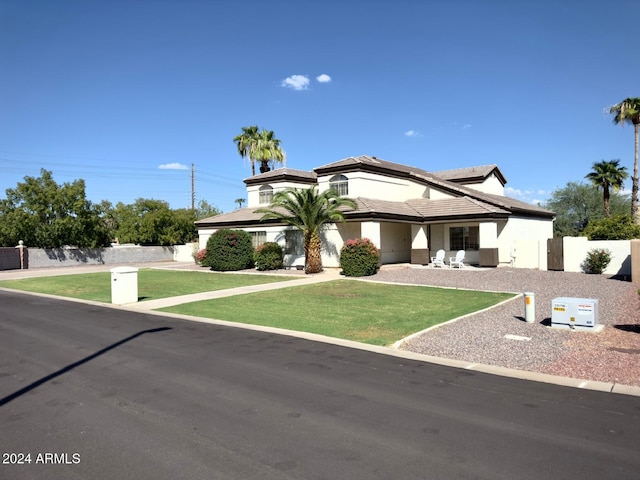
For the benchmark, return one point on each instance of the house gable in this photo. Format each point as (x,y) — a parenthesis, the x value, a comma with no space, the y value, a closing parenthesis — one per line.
(485,178)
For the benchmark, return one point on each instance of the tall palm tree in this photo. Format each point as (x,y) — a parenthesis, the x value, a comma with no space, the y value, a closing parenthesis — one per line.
(245,142)
(607,175)
(267,149)
(310,212)
(261,146)
(628,111)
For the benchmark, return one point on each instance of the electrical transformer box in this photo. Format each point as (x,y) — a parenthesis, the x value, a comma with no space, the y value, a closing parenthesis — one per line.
(574,313)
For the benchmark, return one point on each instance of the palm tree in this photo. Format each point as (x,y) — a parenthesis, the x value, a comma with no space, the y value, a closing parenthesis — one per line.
(607,175)
(260,146)
(310,212)
(267,148)
(239,201)
(245,142)
(628,111)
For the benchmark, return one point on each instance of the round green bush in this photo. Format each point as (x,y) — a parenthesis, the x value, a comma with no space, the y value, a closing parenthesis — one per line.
(269,256)
(359,258)
(597,261)
(229,250)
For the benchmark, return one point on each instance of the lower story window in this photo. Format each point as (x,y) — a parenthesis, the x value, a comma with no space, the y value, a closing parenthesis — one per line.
(464,238)
(293,242)
(258,238)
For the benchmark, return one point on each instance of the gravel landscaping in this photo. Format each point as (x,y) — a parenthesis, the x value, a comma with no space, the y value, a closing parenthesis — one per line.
(500,336)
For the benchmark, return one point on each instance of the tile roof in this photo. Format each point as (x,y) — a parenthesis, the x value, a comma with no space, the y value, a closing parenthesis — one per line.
(470,173)
(417,210)
(467,202)
(282,174)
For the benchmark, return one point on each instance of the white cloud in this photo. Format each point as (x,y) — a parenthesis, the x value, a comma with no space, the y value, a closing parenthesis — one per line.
(173,166)
(529,196)
(297,82)
(468,125)
(412,133)
(324,78)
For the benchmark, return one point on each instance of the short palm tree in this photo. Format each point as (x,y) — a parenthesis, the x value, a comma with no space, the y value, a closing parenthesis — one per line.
(607,175)
(628,111)
(245,142)
(310,212)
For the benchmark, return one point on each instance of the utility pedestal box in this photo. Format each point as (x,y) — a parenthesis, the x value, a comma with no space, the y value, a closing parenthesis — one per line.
(124,285)
(575,313)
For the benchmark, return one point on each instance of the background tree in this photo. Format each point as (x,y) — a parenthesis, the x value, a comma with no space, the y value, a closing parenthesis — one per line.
(205,210)
(240,201)
(628,111)
(618,227)
(608,175)
(245,143)
(152,222)
(47,215)
(310,212)
(576,204)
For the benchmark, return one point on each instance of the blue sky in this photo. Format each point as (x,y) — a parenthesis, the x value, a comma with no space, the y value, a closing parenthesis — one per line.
(128,94)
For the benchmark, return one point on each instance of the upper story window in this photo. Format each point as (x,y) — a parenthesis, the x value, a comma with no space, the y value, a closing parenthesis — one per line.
(266,194)
(340,184)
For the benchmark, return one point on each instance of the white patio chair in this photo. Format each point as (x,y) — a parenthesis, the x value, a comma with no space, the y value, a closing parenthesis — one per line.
(438,260)
(457,260)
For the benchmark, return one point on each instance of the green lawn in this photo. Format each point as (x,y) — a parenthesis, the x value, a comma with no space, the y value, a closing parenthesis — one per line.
(152,284)
(365,312)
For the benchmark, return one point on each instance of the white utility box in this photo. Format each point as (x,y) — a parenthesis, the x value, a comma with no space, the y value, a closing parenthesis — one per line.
(575,313)
(124,285)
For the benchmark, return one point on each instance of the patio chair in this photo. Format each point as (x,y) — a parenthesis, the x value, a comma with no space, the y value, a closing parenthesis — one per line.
(438,260)
(457,260)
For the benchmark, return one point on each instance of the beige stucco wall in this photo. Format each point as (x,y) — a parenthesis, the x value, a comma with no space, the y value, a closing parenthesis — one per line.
(491,184)
(253,191)
(575,251)
(522,228)
(368,185)
(396,243)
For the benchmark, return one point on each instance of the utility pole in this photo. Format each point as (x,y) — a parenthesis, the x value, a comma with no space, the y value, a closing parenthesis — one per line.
(193,187)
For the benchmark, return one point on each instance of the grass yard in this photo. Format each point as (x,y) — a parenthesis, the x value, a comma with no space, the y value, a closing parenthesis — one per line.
(378,314)
(152,284)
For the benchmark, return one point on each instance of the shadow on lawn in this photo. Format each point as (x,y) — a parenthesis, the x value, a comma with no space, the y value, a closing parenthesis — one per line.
(68,368)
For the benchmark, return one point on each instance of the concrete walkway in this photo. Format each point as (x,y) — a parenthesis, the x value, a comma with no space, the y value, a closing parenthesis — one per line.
(325,276)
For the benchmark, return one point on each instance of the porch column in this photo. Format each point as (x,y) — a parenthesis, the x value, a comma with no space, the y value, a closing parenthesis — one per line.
(419,244)
(371,230)
(488,244)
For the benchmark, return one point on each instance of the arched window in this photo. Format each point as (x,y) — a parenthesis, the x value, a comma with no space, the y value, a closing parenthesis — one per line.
(340,184)
(266,194)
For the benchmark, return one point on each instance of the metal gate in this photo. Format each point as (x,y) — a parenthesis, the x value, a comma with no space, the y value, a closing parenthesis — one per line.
(555,254)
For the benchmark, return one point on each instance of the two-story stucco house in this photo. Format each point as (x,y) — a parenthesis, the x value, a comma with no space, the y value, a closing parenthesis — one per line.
(407,212)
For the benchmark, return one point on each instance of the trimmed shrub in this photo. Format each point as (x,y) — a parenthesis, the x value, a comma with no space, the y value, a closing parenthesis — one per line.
(359,258)
(229,250)
(269,256)
(597,261)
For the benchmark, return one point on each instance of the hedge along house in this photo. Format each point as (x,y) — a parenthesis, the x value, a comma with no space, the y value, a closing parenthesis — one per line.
(407,212)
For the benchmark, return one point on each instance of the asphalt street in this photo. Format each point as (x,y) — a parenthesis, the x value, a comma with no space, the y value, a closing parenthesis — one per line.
(92,392)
